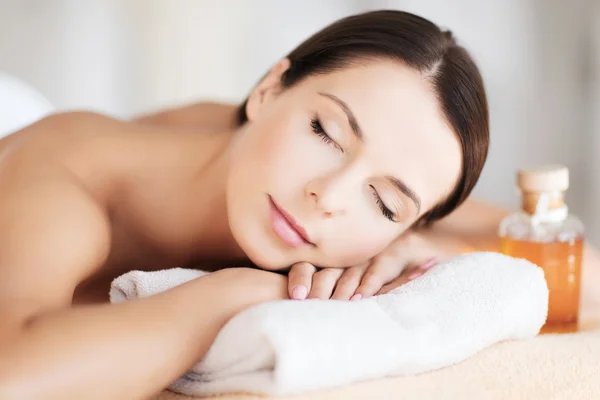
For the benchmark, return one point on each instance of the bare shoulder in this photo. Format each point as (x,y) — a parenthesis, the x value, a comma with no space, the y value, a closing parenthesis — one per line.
(54,232)
(101,150)
(60,137)
(67,134)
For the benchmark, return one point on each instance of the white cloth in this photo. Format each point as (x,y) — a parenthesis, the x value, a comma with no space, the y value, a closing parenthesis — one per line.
(20,104)
(287,347)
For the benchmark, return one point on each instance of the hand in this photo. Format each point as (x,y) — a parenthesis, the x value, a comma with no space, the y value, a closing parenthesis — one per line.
(407,258)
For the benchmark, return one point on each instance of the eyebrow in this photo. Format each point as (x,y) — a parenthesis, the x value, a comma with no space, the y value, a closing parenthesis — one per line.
(358,133)
(407,191)
(349,114)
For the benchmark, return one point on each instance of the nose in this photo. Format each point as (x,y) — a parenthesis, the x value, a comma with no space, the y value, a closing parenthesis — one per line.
(330,195)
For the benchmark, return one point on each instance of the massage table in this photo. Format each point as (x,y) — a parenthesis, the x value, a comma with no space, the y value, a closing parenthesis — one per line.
(548,367)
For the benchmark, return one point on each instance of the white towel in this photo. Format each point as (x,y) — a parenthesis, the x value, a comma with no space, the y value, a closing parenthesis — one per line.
(20,104)
(288,347)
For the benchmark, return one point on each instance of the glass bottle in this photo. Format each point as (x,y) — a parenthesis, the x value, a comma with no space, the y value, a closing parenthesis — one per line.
(547,234)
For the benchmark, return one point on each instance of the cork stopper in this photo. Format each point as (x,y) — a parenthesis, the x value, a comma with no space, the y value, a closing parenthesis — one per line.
(550,181)
(544,178)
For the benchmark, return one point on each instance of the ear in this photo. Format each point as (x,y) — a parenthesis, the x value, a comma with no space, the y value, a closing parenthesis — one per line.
(267,89)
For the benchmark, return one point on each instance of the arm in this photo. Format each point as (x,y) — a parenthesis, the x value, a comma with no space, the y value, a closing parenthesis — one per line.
(54,234)
(130,350)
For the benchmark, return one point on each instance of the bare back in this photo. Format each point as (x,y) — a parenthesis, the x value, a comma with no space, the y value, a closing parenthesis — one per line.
(145,185)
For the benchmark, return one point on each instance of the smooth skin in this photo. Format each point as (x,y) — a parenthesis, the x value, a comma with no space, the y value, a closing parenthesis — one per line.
(328,150)
(406,258)
(65,238)
(85,198)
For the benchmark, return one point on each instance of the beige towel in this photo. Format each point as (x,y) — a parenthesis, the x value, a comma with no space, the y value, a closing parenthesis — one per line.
(548,367)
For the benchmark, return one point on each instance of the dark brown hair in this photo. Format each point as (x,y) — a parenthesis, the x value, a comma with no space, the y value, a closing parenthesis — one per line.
(421,45)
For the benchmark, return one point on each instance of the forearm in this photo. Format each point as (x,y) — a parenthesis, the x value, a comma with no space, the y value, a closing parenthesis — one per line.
(129,350)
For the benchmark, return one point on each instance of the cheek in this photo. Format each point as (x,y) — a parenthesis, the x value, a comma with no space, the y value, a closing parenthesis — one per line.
(257,153)
(283,155)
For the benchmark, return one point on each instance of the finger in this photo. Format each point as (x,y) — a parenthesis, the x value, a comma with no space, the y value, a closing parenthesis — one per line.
(393,285)
(324,282)
(415,275)
(348,283)
(421,269)
(429,263)
(377,275)
(300,280)
(370,283)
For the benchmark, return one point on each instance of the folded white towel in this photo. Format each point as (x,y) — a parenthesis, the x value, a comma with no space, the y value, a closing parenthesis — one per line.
(453,311)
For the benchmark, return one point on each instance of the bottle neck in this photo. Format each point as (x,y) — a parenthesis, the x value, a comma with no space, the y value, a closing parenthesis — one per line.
(546,205)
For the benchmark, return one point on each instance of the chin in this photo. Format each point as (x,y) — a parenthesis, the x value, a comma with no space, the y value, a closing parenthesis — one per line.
(258,247)
(253,237)
(264,256)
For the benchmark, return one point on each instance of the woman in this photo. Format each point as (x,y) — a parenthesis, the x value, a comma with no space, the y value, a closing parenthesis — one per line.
(374,125)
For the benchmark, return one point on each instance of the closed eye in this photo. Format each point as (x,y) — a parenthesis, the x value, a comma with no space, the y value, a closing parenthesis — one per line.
(384,210)
(317,128)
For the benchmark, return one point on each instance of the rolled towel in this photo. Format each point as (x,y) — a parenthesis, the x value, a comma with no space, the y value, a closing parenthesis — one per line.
(288,347)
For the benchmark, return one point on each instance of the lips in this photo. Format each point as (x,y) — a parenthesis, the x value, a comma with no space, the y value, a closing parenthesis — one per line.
(286,228)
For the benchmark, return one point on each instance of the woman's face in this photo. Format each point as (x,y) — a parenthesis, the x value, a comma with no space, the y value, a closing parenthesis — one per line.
(333,169)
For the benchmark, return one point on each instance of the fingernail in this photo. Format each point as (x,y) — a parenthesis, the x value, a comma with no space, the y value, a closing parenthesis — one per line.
(414,276)
(430,263)
(299,292)
(357,296)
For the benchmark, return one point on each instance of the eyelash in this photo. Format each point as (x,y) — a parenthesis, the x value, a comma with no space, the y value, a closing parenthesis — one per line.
(317,128)
(384,210)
